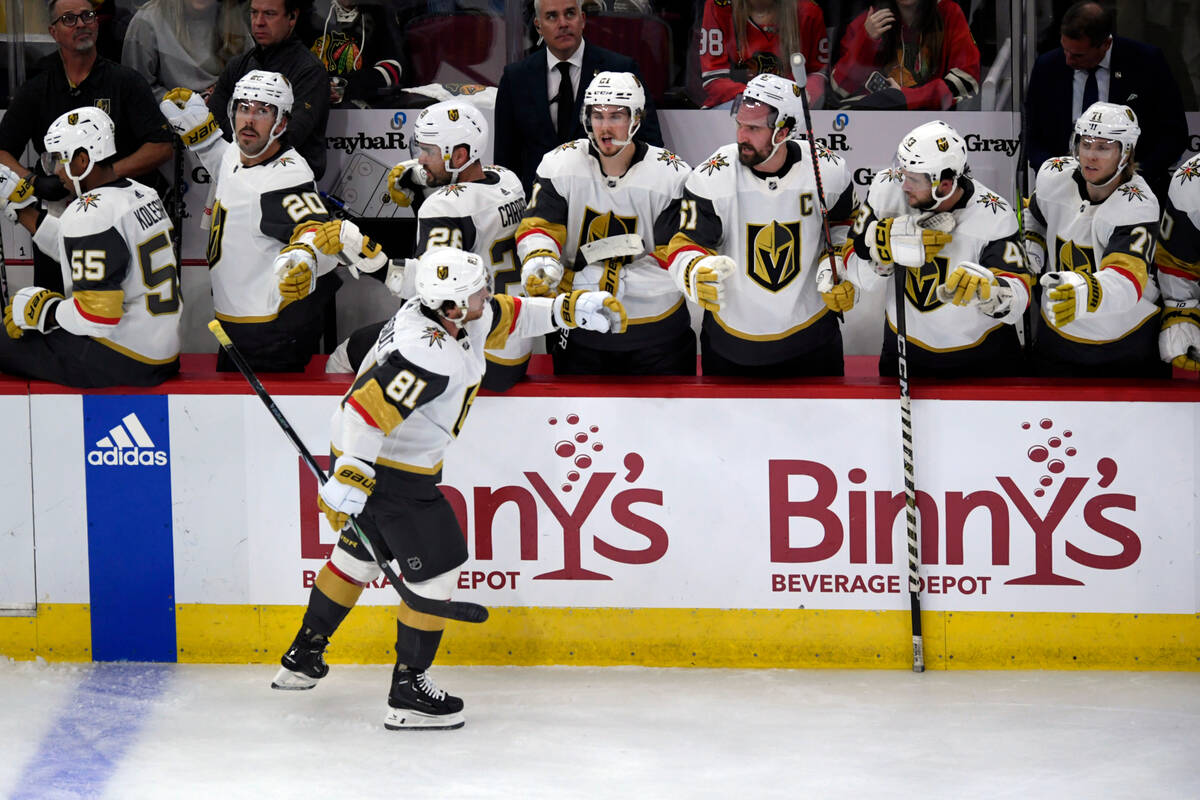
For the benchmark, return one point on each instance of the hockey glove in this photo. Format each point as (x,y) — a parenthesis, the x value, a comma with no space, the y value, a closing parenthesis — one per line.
(343,239)
(31,309)
(404,179)
(592,311)
(540,274)
(345,493)
(906,241)
(992,295)
(701,281)
(189,117)
(1072,295)
(1179,338)
(16,193)
(838,297)
(1035,255)
(399,271)
(296,271)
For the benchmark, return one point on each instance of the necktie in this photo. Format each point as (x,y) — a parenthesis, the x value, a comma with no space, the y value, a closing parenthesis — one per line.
(565,102)
(1091,90)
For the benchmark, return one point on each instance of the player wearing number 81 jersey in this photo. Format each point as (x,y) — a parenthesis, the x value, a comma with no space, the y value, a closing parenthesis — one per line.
(119,324)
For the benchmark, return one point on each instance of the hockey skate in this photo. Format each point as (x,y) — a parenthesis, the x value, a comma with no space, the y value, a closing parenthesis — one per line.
(417,703)
(304,662)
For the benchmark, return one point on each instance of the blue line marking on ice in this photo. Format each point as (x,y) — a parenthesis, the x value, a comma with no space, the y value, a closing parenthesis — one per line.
(100,721)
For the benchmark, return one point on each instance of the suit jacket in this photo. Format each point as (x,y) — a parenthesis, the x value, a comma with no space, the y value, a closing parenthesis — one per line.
(1140,79)
(524,130)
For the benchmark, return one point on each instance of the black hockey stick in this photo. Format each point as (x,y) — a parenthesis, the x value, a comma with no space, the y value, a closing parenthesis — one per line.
(3,274)
(449,609)
(800,78)
(1022,184)
(910,483)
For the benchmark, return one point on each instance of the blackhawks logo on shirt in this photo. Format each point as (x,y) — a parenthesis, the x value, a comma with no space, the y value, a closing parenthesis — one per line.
(1131,192)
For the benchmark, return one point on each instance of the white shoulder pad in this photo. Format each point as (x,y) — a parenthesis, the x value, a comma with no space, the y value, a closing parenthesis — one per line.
(421,340)
(666,168)
(987,215)
(1133,203)
(563,160)
(885,196)
(1185,188)
(712,176)
(98,210)
(1056,176)
(289,169)
(835,172)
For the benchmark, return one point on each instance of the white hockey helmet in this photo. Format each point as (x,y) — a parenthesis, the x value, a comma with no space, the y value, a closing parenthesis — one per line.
(621,89)
(933,149)
(449,274)
(268,88)
(1110,121)
(782,97)
(450,124)
(86,128)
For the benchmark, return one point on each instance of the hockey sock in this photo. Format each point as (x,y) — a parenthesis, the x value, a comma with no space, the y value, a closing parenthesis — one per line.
(415,648)
(333,595)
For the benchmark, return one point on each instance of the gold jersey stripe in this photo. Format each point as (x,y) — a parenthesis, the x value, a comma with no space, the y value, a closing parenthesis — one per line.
(244,320)
(681,241)
(492,358)
(657,317)
(370,398)
(1164,258)
(1133,265)
(554,230)
(932,349)
(767,337)
(125,351)
(1153,314)
(422,622)
(503,327)
(100,305)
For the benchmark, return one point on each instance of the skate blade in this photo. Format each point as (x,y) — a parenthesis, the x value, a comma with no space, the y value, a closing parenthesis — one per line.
(405,719)
(290,681)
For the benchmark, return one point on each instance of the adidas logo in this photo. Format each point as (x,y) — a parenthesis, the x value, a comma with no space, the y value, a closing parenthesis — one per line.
(128,445)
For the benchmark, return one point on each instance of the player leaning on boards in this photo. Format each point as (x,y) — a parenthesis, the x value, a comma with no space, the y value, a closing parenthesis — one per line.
(1092,227)
(120,326)
(600,214)
(461,203)
(1177,258)
(273,246)
(390,433)
(749,241)
(966,284)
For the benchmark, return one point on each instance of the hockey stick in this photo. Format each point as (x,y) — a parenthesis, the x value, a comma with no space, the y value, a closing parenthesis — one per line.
(910,483)
(800,77)
(1022,184)
(449,609)
(3,274)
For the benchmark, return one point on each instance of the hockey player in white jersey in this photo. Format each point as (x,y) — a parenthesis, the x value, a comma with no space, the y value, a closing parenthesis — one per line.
(1177,258)
(460,203)
(955,243)
(1091,232)
(748,242)
(119,323)
(273,246)
(601,213)
(389,435)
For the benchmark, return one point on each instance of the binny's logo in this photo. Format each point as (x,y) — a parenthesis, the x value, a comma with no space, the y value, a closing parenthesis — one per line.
(127,445)
(593,506)
(1052,450)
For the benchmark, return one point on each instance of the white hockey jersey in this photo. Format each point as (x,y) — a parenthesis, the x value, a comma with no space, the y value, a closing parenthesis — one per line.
(416,385)
(1177,256)
(1117,234)
(573,203)
(944,336)
(771,226)
(481,217)
(116,242)
(255,212)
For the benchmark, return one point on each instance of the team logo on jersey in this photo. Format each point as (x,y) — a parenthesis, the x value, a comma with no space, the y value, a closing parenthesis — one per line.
(434,335)
(893,176)
(1057,164)
(992,202)
(599,225)
(284,161)
(670,158)
(455,189)
(1188,171)
(773,254)
(717,162)
(1073,257)
(128,445)
(571,145)
(920,285)
(89,200)
(823,152)
(1131,192)
(452,114)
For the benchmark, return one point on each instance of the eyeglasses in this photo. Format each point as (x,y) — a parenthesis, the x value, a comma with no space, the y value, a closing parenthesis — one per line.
(70,18)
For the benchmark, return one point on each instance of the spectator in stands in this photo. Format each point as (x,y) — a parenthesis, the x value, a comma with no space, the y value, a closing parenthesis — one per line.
(76,75)
(185,42)
(277,49)
(1094,65)
(907,54)
(357,46)
(539,98)
(743,38)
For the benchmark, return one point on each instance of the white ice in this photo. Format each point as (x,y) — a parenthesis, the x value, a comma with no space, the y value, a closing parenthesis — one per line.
(200,731)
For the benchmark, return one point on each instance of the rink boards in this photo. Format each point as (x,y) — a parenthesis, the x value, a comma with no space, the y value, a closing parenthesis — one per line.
(653,524)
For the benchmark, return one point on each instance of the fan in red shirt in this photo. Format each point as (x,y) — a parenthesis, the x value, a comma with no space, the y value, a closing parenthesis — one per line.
(907,54)
(743,38)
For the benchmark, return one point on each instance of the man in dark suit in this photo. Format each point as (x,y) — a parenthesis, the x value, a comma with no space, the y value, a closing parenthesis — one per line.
(535,110)
(1094,65)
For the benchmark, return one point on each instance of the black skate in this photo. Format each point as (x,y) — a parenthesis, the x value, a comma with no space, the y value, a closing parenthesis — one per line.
(303,663)
(416,703)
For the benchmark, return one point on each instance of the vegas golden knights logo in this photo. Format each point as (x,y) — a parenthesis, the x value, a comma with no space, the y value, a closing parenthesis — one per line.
(601,225)
(72,119)
(773,254)
(943,144)
(452,114)
(920,284)
(443,272)
(1073,257)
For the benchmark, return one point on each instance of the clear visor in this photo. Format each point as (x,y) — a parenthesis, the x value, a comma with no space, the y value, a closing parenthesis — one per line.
(51,160)
(749,111)
(416,149)
(1098,143)
(254,109)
